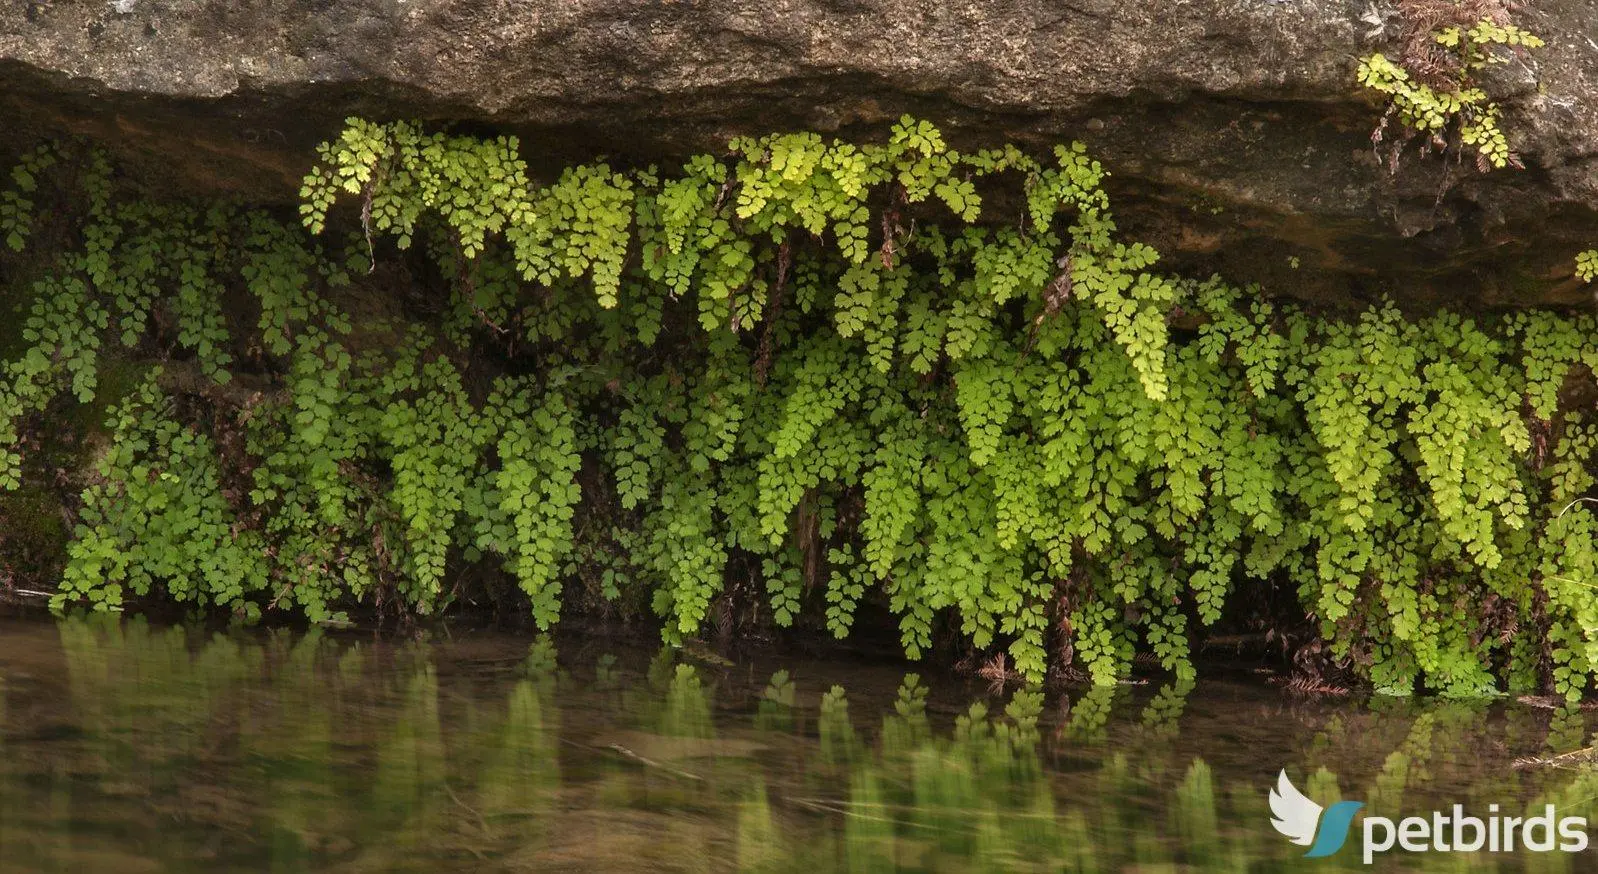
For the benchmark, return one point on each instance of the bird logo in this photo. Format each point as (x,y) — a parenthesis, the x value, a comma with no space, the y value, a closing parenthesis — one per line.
(1302,821)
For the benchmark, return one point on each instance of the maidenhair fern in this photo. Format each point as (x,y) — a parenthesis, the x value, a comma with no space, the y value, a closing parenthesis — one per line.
(156,513)
(797,380)
(1441,101)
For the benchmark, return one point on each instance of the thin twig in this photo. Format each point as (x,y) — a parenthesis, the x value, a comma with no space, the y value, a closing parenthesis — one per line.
(829,807)
(648,762)
(1574,503)
(481,822)
(642,760)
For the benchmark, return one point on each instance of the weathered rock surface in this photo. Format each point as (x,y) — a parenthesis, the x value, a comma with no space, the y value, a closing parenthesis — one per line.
(1236,131)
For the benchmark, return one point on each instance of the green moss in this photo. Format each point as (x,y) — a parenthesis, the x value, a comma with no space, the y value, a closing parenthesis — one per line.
(33,537)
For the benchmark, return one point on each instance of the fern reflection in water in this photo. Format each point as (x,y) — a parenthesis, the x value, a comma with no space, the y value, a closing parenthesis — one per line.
(183,750)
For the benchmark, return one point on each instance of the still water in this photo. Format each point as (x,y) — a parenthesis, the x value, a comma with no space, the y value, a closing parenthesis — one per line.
(128,747)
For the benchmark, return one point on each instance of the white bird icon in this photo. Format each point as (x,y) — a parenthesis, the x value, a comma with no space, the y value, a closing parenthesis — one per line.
(1294,815)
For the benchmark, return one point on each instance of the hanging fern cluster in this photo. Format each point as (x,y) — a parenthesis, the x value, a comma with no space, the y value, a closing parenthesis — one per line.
(1433,87)
(805,376)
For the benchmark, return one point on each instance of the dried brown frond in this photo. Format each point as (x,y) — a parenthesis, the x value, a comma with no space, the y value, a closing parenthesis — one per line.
(1422,56)
(998,673)
(1312,686)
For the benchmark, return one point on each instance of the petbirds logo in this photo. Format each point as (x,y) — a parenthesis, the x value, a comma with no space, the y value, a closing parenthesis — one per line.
(1325,829)
(1301,821)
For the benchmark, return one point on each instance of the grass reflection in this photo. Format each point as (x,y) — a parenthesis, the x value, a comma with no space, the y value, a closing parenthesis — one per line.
(129,747)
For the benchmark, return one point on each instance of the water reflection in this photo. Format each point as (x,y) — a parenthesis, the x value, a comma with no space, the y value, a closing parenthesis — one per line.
(126,747)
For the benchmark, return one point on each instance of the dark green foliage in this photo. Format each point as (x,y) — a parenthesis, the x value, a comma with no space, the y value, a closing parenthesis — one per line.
(804,372)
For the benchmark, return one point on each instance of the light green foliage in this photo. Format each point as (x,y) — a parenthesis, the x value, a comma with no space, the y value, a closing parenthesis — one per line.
(802,378)
(845,588)
(1587,265)
(534,492)
(1460,107)
(429,428)
(134,255)
(17,201)
(64,330)
(156,515)
(308,445)
(479,189)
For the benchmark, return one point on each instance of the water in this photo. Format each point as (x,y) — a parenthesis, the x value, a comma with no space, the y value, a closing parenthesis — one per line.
(126,747)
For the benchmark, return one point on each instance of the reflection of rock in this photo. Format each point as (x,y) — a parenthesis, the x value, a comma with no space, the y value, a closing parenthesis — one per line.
(1234,128)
